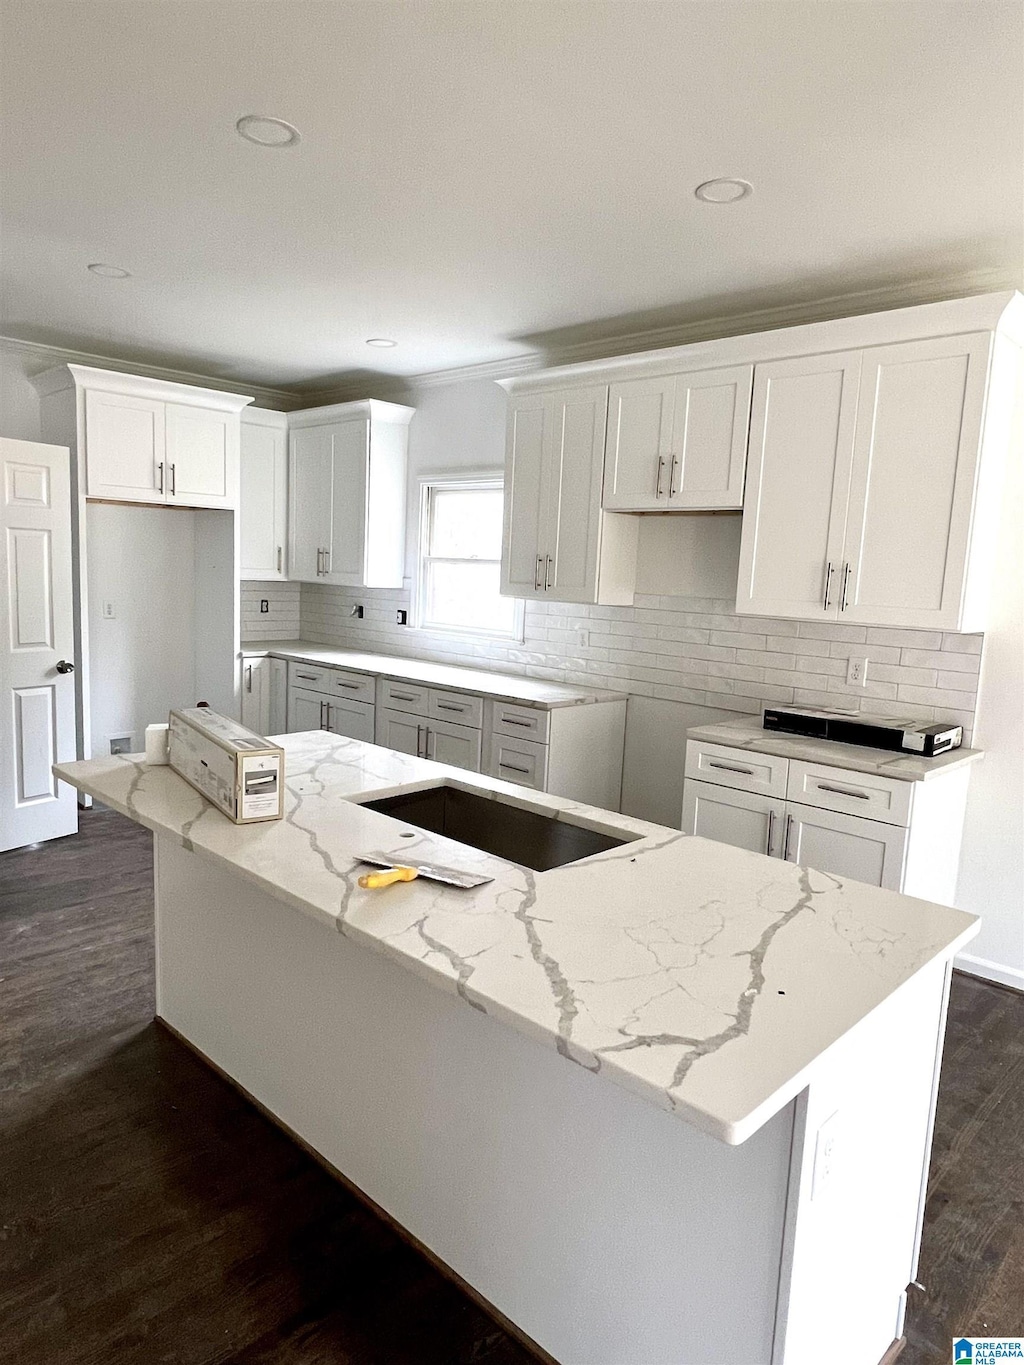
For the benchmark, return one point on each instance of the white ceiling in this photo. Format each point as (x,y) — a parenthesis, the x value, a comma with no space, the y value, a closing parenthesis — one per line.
(485,178)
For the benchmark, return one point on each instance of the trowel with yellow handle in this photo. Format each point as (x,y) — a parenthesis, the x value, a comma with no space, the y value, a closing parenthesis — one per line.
(408,872)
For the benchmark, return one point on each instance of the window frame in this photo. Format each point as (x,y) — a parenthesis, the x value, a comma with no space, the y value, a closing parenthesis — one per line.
(457,480)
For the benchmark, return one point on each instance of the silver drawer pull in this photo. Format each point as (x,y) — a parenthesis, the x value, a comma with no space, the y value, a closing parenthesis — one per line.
(731,768)
(511,720)
(513,768)
(447,706)
(844,791)
(402,696)
(354,686)
(307,677)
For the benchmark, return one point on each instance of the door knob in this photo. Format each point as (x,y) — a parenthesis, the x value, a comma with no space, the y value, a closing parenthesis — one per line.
(64,667)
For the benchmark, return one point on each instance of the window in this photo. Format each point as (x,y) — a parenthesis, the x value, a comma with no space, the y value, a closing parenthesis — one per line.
(460,558)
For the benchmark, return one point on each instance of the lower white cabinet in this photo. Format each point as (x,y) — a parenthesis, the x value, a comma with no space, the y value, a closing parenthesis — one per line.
(427,737)
(264,694)
(315,711)
(459,745)
(908,840)
(400,731)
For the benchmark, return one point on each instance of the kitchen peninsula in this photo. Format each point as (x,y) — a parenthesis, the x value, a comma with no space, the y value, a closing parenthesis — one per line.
(670,1103)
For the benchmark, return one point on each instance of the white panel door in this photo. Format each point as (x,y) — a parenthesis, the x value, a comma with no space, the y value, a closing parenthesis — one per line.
(915,466)
(306,711)
(37,686)
(575,458)
(202,456)
(709,438)
(350,445)
(403,733)
(353,719)
(864,850)
(263,501)
(458,745)
(124,447)
(743,819)
(798,475)
(638,447)
(310,485)
(526,513)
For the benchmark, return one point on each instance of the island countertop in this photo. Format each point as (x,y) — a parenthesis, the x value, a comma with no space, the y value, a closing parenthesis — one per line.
(706,979)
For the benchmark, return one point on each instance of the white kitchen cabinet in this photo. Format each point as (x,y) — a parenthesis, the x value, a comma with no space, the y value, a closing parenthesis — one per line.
(741,818)
(400,731)
(306,710)
(125,435)
(264,694)
(353,719)
(847,845)
(347,486)
(263,495)
(862,501)
(458,745)
(557,542)
(201,446)
(677,442)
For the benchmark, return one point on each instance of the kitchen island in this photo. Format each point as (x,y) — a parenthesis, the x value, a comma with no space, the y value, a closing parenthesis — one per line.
(667,1105)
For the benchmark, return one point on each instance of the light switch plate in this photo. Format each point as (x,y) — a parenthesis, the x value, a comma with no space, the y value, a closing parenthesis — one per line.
(825,1151)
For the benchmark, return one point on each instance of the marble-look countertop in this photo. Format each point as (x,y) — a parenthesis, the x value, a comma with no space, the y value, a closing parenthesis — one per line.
(855,757)
(702,977)
(500,686)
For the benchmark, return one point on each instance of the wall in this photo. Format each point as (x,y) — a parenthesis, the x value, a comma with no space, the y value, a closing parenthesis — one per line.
(19,402)
(280,621)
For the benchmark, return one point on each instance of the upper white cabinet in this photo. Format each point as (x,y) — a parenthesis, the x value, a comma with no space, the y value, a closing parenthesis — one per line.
(677,442)
(863,483)
(144,440)
(263,494)
(347,485)
(558,542)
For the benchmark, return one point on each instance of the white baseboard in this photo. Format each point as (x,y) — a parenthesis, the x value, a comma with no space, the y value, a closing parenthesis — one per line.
(991,971)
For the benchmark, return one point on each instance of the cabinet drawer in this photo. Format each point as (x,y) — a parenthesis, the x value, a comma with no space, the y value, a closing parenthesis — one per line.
(520,722)
(352,686)
(402,696)
(852,793)
(308,676)
(739,768)
(519,760)
(461,707)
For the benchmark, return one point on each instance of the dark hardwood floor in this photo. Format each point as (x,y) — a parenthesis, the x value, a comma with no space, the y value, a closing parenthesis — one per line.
(149,1215)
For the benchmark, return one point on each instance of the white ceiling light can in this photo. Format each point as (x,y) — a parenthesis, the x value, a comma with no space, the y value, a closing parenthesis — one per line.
(109,272)
(723,190)
(380,341)
(265,131)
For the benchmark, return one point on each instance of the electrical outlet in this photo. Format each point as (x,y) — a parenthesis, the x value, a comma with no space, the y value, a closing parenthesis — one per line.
(108,611)
(402,617)
(583,638)
(357,612)
(856,671)
(825,1154)
(264,606)
(120,744)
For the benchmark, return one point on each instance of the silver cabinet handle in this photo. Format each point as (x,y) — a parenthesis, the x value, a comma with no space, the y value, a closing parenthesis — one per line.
(327,561)
(174,480)
(829,571)
(419,742)
(248,677)
(322,725)
(430,749)
(731,768)
(842,591)
(672,477)
(279,558)
(789,827)
(657,481)
(318,569)
(538,578)
(352,686)
(547,573)
(771,823)
(160,474)
(402,696)
(513,768)
(448,706)
(844,791)
(307,677)
(511,720)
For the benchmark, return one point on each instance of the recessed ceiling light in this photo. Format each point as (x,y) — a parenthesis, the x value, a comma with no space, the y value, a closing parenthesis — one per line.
(109,272)
(380,341)
(266,131)
(723,190)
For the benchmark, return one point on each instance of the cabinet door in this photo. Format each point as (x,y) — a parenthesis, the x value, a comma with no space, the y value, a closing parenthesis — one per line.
(253,679)
(709,438)
(346,544)
(276,688)
(915,464)
(310,490)
(525,512)
(798,477)
(404,733)
(124,445)
(638,448)
(202,456)
(864,850)
(306,710)
(263,501)
(575,460)
(353,719)
(458,745)
(743,819)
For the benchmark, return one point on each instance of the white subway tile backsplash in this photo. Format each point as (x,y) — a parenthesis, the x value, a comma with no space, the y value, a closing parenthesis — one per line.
(685,649)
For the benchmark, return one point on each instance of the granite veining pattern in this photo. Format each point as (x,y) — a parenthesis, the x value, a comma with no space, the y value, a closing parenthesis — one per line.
(854,757)
(704,978)
(500,686)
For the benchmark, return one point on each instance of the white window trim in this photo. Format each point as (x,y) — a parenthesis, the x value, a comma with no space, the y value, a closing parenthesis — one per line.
(455,479)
